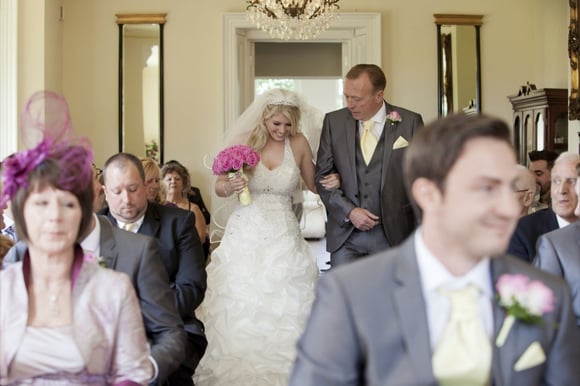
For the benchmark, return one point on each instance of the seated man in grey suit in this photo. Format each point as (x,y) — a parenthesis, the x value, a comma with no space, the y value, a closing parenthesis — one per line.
(394,318)
(564,199)
(180,248)
(559,253)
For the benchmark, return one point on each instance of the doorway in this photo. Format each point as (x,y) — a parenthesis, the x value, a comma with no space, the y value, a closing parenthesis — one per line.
(359,36)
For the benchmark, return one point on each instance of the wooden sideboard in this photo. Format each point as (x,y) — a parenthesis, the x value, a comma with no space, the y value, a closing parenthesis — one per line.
(540,120)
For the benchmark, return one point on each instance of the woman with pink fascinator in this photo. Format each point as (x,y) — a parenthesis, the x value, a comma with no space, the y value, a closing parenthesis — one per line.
(64,320)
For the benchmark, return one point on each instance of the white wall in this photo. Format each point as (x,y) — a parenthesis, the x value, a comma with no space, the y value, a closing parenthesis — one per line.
(522,40)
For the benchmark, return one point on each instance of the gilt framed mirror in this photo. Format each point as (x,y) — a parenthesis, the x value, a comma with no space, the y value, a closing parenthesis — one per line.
(458,63)
(141,108)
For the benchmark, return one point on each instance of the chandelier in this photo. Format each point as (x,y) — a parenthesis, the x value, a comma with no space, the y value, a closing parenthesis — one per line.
(292,19)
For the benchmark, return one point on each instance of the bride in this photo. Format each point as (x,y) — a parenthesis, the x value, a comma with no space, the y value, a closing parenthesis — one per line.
(261,278)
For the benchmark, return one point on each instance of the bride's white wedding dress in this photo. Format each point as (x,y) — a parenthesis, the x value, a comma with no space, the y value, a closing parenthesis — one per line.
(260,286)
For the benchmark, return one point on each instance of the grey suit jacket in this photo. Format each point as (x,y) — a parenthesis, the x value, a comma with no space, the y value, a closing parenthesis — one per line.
(337,154)
(368,326)
(558,252)
(182,256)
(138,256)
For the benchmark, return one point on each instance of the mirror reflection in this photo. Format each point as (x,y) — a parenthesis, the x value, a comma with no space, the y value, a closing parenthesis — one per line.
(459,68)
(141,84)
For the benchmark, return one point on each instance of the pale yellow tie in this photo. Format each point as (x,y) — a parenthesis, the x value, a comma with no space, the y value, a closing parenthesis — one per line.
(129,227)
(368,141)
(463,355)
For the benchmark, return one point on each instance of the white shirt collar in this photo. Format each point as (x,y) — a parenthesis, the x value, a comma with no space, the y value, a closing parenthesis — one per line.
(561,222)
(136,224)
(7,221)
(379,121)
(434,275)
(92,243)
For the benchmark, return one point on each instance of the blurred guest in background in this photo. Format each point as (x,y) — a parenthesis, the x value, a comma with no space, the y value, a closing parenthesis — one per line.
(525,189)
(58,325)
(541,164)
(177,184)
(155,189)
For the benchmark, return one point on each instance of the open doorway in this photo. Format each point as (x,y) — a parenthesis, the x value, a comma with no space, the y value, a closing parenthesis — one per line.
(357,34)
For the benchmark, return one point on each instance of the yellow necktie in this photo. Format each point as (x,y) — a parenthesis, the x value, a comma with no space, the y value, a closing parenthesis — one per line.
(368,141)
(463,355)
(129,227)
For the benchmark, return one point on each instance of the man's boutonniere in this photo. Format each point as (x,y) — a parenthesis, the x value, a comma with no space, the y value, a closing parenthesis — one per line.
(89,257)
(394,117)
(522,299)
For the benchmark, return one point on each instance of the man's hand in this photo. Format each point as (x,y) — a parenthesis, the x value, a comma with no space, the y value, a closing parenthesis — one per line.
(362,219)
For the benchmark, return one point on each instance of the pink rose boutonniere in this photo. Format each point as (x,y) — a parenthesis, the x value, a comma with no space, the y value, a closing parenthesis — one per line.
(234,159)
(522,299)
(394,117)
(89,257)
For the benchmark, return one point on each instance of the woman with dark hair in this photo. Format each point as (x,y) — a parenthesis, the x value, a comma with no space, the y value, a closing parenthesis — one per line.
(177,184)
(64,320)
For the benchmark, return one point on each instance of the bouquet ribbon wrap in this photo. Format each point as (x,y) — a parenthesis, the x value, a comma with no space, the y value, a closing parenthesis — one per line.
(244,196)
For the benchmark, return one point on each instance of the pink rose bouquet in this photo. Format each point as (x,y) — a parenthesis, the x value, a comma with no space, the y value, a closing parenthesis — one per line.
(233,160)
(524,300)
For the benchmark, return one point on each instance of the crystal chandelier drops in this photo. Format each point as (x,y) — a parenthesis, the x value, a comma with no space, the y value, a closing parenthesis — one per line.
(292,19)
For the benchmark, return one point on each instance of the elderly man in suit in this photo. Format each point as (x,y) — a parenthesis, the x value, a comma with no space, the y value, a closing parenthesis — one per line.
(397,318)
(525,189)
(364,143)
(564,199)
(180,247)
(559,254)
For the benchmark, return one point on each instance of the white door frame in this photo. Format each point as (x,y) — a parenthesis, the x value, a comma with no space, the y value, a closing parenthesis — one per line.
(359,34)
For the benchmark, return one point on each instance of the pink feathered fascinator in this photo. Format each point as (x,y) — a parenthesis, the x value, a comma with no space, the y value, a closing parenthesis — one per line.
(46,121)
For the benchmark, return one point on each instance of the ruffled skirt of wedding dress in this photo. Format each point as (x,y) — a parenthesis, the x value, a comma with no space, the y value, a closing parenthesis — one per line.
(260,290)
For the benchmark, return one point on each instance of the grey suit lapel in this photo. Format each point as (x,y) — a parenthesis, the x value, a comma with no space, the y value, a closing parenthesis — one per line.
(107,244)
(351,127)
(389,131)
(411,308)
(503,357)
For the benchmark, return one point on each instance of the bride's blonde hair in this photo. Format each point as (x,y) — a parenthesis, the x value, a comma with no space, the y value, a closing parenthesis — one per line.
(259,135)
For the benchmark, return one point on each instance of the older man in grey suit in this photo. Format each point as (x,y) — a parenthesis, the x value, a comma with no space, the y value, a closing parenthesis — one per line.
(558,252)
(364,143)
(396,318)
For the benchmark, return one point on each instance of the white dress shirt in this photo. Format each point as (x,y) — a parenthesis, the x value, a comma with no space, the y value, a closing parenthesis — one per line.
(134,225)
(434,276)
(561,222)
(379,122)
(92,243)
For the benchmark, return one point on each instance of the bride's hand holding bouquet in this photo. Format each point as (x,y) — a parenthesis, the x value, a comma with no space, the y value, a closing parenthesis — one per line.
(232,161)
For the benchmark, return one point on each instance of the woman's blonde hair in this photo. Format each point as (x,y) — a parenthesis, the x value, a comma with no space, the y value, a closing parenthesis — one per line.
(259,135)
(150,167)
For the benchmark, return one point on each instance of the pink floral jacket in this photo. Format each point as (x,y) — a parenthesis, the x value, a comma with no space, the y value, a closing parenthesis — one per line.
(107,324)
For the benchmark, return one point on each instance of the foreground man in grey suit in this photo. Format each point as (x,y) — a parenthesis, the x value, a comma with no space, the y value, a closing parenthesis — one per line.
(379,320)
(559,253)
